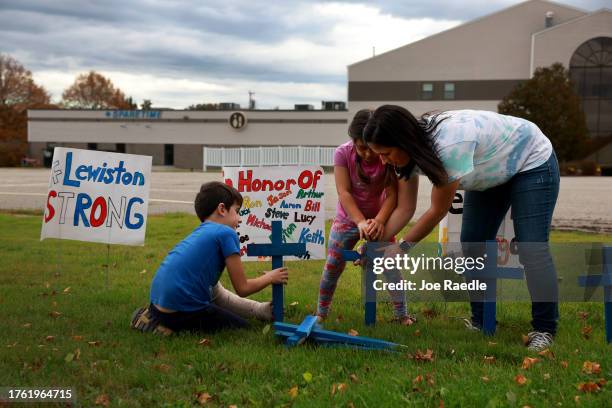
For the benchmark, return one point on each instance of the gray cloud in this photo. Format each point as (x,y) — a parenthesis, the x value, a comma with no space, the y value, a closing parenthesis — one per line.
(199,40)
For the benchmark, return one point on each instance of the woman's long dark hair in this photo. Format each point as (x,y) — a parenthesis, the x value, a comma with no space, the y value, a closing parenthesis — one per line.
(355,131)
(395,126)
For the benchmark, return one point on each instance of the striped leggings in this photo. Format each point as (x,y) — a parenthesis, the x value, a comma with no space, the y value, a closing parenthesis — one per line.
(344,234)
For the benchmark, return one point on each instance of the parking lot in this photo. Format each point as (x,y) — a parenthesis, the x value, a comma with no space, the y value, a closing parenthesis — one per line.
(585,203)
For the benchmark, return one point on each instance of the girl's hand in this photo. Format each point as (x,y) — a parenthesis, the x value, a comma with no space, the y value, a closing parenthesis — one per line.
(278,275)
(363,230)
(375,229)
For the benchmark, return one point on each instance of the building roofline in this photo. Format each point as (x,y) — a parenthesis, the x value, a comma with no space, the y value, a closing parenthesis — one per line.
(554,27)
(471,22)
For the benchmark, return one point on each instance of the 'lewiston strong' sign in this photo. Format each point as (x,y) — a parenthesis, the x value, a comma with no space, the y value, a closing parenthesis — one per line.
(97,196)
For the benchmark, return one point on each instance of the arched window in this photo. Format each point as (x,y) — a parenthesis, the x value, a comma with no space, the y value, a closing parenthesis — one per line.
(591,71)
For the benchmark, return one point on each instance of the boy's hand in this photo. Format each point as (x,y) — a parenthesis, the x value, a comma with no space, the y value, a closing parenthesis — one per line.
(375,229)
(279,275)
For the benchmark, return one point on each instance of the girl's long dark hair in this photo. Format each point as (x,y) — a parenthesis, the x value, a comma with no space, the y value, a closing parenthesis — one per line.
(355,131)
(395,126)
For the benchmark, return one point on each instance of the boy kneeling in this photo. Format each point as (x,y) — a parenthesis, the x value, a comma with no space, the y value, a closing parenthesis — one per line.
(186,293)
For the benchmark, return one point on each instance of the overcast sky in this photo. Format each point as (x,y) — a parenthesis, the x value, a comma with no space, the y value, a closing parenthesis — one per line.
(181,52)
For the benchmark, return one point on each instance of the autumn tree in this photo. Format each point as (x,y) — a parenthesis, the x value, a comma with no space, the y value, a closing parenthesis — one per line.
(548,99)
(18,93)
(94,91)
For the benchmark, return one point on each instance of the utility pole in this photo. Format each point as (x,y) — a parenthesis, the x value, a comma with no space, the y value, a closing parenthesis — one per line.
(251,100)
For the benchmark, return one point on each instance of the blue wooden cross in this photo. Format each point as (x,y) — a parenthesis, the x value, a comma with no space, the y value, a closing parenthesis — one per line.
(310,330)
(277,249)
(605,280)
(369,277)
(489,275)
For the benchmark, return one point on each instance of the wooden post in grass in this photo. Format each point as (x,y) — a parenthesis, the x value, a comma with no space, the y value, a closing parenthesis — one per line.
(604,280)
(489,275)
(277,249)
(370,293)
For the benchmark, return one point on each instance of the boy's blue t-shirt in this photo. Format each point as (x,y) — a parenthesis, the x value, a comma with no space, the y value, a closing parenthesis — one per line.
(185,278)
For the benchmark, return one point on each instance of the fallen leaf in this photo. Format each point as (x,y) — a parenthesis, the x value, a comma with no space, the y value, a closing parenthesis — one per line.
(546,376)
(339,318)
(204,342)
(66,290)
(564,364)
(95,343)
(27,325)
(583,315)
(103,400)
(232,406)
(293,392)
(520,379)
(418,379)
(143,271)
(69,357)
(342,387)
(586,332)
(577,399)
(266,329)
(427,356)
(55,314)
(417,333)
(430,379)
(77,354)
(589,387)
(307,377)
(602,382)
(164,368)
(492,343)
(333,389)
(591,367)
(293,304)
(489,359)
(511,397)
(547,353)
(528,362)
(354,378)
(50,338)
(203,398)
(353,332)
(77,338)
(485,379)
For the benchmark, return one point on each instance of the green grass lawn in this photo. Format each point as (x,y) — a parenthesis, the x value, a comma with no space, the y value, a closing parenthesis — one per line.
(59,289)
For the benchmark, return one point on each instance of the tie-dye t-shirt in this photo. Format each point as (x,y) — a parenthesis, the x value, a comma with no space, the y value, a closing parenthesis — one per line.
(485,149)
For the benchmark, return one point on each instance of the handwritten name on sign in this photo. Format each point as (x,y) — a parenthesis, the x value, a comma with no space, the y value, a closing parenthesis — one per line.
(290,194)
(97,196)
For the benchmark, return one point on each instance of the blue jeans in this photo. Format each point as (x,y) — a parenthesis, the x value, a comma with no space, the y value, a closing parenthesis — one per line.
(532,195)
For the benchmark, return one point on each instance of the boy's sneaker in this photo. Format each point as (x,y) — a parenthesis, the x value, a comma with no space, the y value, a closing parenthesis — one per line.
(470,325)
(144,322)
(538,341)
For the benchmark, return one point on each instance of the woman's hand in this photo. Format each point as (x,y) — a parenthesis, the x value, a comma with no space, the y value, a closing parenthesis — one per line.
(375,229)
(278,275)
(363,230)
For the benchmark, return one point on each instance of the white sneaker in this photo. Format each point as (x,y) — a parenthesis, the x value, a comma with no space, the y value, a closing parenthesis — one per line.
(538,341)
(470,326)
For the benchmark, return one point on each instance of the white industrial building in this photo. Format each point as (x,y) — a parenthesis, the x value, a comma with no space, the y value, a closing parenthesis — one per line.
(473,65)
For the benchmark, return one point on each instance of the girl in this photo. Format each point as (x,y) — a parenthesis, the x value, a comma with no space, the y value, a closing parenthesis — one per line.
(500,161)
(367,195)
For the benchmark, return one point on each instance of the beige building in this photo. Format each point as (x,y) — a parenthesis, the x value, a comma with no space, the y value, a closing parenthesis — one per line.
(473,65)
(177,138)
(476,64)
